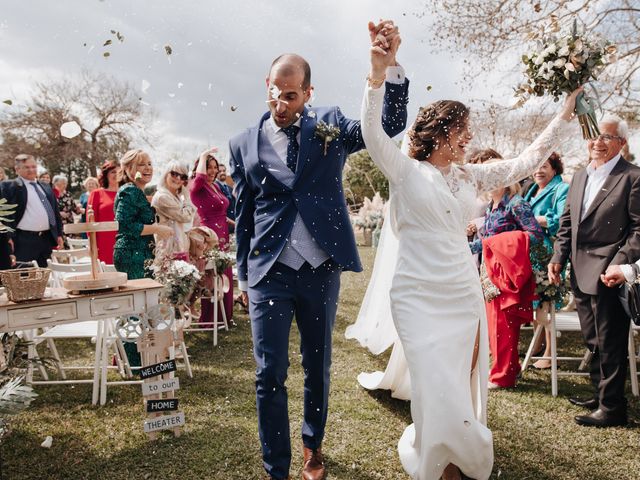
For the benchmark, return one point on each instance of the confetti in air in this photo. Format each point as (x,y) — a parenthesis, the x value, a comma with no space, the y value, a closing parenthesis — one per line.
(70,129)
(8,102)
(145,86)
(275,92)
(429,87)
(180,84)
(233,108)
(106,54)
(168,50)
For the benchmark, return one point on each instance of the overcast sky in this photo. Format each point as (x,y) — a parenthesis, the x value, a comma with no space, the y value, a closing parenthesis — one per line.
(221,53)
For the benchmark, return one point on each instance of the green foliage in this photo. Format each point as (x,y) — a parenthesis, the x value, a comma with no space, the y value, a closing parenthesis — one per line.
(363,179)
(6,210)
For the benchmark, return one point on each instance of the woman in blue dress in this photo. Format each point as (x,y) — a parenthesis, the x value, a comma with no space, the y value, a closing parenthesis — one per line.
(547,197)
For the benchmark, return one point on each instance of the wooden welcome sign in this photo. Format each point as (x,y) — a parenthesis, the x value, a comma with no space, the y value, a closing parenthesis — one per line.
(158,389)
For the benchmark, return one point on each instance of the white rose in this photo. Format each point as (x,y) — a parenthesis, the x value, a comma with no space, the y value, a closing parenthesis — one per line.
(577,46)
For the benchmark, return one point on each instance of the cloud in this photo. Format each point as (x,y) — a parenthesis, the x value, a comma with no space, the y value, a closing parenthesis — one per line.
(228,45)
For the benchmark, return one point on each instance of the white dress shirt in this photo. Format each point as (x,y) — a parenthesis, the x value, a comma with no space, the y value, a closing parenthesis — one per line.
(595,180)
(35,217)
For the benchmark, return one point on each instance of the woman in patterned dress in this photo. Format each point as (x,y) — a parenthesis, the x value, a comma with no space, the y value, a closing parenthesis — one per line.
(506,212)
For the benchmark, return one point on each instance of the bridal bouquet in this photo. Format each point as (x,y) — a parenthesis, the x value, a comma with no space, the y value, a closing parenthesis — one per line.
(179,279)
(562,63)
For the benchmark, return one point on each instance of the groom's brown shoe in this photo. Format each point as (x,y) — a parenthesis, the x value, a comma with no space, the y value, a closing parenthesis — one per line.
(313,468)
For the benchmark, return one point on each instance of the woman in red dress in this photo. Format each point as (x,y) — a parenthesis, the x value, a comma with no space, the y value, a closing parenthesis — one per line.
(101,201)
(211,205)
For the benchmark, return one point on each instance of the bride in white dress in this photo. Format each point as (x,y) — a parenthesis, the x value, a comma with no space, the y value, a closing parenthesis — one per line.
(435,298)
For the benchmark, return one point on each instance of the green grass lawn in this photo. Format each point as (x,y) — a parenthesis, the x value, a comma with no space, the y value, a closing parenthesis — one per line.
(534,434)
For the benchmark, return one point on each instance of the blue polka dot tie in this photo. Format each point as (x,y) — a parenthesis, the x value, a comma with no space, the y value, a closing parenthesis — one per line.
(292,147)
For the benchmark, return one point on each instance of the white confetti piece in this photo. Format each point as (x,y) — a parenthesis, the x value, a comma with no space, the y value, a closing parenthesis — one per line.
(275,92)
(171,95)
(204,104)
(70,129)
(145,86)
(47,442)
(180,84)
(263,180)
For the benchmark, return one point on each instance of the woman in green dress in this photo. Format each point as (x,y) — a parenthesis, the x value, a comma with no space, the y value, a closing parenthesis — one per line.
(135,216)
(136,225)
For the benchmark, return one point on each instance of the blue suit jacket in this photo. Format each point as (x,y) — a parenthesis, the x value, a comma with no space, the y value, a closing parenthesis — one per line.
(266,208)
(549,203)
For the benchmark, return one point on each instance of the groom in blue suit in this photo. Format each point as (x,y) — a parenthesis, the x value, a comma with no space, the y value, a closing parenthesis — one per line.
(294,238)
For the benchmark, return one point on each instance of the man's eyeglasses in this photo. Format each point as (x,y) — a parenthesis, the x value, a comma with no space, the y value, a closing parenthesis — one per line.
(605,137)
(182,176)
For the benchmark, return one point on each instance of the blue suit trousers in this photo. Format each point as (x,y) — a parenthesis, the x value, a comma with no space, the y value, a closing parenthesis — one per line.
(311,295)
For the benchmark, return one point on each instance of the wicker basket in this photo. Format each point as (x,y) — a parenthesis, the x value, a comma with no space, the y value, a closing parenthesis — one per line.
(25,284)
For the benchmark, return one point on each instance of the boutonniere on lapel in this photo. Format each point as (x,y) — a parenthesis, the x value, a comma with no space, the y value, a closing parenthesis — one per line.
(327,133)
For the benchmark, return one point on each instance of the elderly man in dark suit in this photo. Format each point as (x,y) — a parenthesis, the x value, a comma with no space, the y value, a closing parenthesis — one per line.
(37,223)
(599,230)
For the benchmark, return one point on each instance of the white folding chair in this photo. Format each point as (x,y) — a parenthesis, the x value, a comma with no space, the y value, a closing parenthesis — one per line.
(77,255)
(217,300)
(78,242)
(568,322)
(182,347)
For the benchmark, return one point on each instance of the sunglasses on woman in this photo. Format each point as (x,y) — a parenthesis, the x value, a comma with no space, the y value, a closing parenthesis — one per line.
(182,176)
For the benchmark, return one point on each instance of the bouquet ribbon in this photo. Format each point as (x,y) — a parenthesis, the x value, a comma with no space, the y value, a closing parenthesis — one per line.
(586,117)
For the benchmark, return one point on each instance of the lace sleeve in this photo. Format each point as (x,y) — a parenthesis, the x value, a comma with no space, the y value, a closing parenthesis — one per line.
(383,150)
(507,172)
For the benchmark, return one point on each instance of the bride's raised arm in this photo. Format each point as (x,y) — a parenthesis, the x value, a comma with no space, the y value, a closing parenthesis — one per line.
(383,150)
(507,172)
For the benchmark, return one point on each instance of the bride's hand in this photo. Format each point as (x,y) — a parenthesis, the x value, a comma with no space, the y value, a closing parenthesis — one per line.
(569,108)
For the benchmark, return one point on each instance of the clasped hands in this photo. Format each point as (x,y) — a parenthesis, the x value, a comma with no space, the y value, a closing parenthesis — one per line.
(385,40)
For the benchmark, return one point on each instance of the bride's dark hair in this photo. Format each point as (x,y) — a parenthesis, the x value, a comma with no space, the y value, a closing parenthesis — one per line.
(433,125)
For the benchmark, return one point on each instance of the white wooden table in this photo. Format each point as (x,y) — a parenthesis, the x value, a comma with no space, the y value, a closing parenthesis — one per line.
(59,307)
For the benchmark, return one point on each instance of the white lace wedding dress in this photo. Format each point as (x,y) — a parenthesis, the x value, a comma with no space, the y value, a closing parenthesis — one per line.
(435,298)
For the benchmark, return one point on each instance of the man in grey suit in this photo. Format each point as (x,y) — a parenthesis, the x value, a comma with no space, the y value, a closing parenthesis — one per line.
(600,229)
